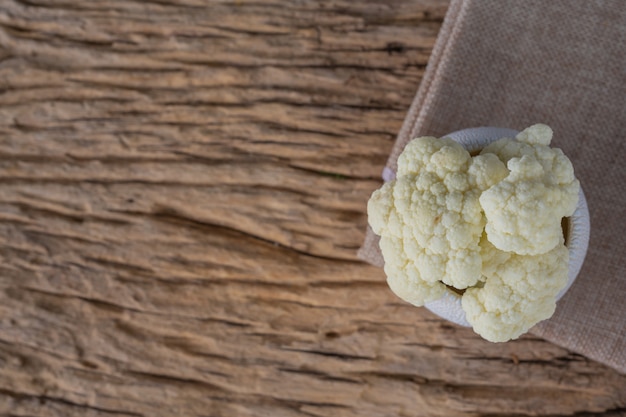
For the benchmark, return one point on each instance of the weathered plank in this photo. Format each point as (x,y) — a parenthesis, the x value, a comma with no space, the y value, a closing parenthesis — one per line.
(182,191)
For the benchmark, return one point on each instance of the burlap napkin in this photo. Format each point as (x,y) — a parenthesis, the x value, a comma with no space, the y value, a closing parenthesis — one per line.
(511,63)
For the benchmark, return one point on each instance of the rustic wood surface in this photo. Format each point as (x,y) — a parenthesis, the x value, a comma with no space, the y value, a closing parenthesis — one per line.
(182,192)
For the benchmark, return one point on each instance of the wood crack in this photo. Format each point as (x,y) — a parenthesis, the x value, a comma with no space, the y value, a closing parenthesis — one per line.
(331,354)
(44,398)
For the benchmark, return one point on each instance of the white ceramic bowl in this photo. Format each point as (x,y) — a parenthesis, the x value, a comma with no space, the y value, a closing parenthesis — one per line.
(474,139)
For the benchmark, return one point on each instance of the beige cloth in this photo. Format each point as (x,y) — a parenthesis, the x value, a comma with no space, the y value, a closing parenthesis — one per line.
(509,63)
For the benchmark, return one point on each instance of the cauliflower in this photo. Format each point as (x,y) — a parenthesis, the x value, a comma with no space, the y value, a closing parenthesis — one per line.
(524,211)
(518,291)
(430,220)
(488,225)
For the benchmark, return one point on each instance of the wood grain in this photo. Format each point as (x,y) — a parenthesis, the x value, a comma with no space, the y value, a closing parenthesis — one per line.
(182,192)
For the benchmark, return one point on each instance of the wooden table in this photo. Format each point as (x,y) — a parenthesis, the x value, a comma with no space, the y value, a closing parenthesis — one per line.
(182,193)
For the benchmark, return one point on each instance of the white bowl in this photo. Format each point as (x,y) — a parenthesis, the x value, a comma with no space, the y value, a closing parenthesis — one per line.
(474,139)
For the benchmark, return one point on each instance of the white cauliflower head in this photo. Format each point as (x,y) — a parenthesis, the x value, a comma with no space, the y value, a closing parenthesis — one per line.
(430,220)
(524,210)
(489,225)
(518,292)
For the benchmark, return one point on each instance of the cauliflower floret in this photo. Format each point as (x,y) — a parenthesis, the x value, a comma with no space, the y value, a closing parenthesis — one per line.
(519,291)
(485,171)
(524,210)
(404,278)
(430,220)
